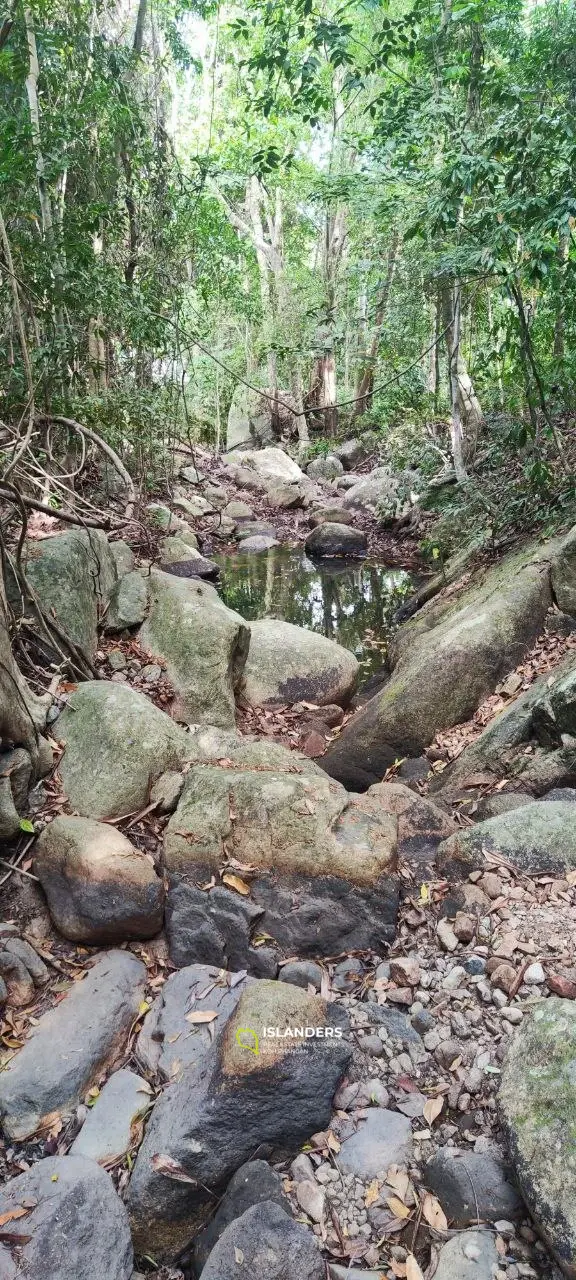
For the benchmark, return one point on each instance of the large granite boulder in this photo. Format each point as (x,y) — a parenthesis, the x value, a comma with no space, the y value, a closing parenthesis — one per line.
(269,464)
(537,838)
(117,746)
(74,1227)
(72,575)
(71,1044)
(320,865)
(288,664)
(203,643)
(249,1090)
(352,453)
(537,1104)
(265,1242)
(445,662)
(325,467)
(100,888)
(373,491)
(335,539)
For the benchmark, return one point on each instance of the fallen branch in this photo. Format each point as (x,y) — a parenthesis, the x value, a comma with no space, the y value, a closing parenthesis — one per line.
(117,463)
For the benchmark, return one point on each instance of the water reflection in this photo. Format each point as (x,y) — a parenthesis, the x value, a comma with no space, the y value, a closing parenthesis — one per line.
(351,601)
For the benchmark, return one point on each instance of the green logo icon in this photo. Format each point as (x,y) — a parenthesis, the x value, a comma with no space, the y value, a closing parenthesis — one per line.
(247,1039)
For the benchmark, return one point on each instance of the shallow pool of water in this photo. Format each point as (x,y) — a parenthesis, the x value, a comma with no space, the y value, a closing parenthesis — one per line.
(351,601)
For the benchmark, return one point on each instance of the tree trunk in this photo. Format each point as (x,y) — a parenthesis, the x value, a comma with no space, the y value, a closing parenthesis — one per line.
(365,381)
(22,714)
(43,192)
(467,414)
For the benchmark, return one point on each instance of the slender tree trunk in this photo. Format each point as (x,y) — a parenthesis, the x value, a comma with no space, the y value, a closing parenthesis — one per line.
(365,380)
(43,191)
(467,414)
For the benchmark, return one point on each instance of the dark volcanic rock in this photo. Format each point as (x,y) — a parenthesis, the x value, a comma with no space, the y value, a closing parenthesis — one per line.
(254,1183)
(166,1042)
(76,1229)
(248,1090)
(267,1244)
(472,1186)
(197,568)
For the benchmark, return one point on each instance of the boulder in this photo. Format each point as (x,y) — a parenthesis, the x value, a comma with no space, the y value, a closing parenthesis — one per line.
(255,529)
(536,1105)
(102,725)
(331,514)
(267,1243)
(285,497)
(252,1184)
(254,420)
(196,507)
(248,1090)
(326,467)
(100,889)
(168,1042)
(109,1129)
(270,464)
(537,838)
(238,510)
(322,869)
(195,566)
(123,557)
(128,603)
(471,1187)
(373,491)
(71,1044)
(352,453)
(445,662)
(563,574)
(72,575)
(203,644)
(555,713)
(75,1226)
(471,1255)
(311,668)
(259,543)
(333,539)
(177,547)
(421,823)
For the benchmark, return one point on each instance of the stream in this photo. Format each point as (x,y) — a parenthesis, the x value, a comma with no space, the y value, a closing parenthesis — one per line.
(350,601)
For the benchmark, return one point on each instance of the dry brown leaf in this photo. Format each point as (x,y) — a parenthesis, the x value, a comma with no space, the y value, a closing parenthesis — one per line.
(234,882)
(372,1193)
(432,1109)
(397,1207)
(398,1269)
(201,1015)
(12,1214)
(413,1271)
(399,1181)
(333,1143)
(434,1213)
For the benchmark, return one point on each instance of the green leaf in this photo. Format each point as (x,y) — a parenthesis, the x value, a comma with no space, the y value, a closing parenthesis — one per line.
(27,826)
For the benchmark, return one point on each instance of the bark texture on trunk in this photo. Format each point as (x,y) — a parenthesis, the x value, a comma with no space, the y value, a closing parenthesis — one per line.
(467,414)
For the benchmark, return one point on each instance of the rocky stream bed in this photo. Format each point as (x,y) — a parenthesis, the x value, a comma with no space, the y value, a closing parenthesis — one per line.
(287,968)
